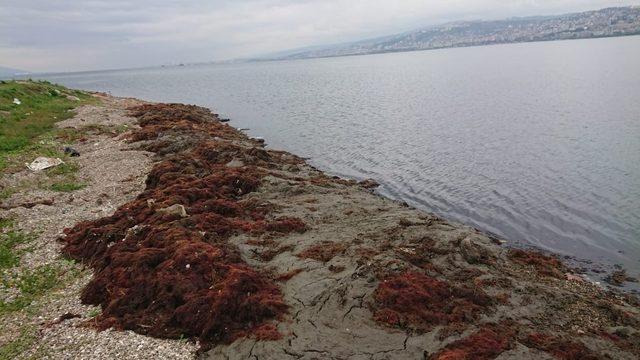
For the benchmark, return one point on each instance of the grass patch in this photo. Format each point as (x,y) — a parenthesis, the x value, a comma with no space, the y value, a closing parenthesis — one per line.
(94,312)
(5,223)
(35,283)
(67,187)
(13,348)
(63,169)
(42,104)
(9,255)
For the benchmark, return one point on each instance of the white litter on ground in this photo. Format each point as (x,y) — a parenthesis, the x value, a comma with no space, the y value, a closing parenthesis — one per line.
(42,163)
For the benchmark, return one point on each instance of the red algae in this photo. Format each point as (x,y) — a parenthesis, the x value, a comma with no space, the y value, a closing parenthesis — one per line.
(289,275)
(324,251)
(420,302)
(168,274)
(286,225)
(266,332)
(559,348)
(544,265)
(487,343)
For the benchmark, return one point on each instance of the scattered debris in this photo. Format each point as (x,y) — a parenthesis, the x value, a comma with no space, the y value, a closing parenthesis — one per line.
(42,163)
(29,205)
(64,317)
(71,151)
(17,101)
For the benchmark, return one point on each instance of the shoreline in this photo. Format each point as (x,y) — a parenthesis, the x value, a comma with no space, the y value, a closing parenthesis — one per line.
(328,268)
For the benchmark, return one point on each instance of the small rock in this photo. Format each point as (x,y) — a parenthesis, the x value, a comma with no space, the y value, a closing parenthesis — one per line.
(175,209)
(72,98)
(235,163)
(478,250)
(572,277)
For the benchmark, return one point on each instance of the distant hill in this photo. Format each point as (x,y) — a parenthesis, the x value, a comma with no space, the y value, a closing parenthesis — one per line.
(608,22)
(6,72)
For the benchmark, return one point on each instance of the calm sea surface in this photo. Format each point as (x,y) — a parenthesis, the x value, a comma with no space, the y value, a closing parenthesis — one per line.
(538,142)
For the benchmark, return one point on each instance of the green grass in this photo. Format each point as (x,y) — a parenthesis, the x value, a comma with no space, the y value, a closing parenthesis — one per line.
(34,283)
(64,169)
(25,340)
(5,223)
(42,105)
(94,312)
(67,186)
(9,254)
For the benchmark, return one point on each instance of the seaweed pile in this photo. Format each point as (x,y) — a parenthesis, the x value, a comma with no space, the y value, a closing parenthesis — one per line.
(420,302)
(487,343)
(162,263)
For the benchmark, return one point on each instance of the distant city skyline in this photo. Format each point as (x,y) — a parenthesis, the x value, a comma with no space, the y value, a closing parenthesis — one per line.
(66,35)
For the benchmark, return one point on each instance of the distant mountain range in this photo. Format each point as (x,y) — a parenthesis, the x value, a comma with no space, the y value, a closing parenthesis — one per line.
(619,21)
(6,72)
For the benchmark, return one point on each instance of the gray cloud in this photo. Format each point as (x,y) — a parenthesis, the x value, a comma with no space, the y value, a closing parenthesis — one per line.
(71,35)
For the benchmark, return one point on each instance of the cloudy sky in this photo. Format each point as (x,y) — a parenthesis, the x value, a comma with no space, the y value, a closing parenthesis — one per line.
(74,35)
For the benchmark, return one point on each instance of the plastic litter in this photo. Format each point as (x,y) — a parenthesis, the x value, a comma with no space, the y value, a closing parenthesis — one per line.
(43,163)
(17,101)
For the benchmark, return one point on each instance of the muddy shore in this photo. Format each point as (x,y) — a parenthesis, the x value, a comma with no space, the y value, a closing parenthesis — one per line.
(197,241)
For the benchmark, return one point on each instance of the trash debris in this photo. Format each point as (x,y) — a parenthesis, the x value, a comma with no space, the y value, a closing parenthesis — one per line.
(224,120)
(17,101)
(71,151)
(42,163)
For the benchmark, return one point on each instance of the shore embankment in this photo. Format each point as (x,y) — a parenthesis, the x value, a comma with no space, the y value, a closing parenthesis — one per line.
(189,238)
